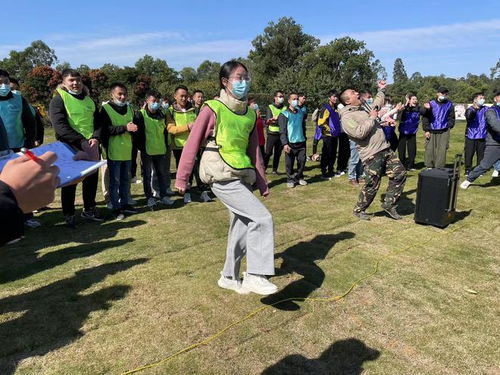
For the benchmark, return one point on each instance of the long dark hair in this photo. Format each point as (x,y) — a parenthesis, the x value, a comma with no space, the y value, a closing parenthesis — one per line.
(227,68)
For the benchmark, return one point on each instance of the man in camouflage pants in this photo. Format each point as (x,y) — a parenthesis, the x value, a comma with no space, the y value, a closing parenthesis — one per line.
(361,123)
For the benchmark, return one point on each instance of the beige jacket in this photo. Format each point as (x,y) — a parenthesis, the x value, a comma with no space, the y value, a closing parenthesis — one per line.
(365,131)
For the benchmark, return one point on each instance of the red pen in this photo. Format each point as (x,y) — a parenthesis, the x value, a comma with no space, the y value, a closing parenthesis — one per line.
(30,154)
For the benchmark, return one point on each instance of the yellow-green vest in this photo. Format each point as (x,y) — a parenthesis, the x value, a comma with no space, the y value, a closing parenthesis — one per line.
(154,131)
(274,128)
(181,118)
(80,113)
(232,134)
(119,146)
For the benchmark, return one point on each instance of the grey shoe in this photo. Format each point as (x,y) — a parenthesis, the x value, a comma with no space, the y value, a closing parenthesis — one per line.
(302,182)
(290,184)
(391,211)
(70,221)
(362,215)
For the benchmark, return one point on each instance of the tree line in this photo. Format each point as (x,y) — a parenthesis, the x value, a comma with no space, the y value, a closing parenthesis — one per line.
(282,57)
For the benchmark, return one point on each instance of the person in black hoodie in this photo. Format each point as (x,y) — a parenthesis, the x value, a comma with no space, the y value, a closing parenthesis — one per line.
(75,119)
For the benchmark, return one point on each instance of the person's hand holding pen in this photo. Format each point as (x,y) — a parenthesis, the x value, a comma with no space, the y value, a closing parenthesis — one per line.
(32,179)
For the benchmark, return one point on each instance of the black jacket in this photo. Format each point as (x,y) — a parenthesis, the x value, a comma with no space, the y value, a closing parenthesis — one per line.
(59,119)
(11,216)
(107,128)
(140,135)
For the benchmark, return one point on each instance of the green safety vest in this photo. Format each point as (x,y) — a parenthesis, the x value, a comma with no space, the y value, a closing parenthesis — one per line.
(155,134)
(11,112)
(182,118)
(119,146)
(80,113)
(232,134)
(276,112)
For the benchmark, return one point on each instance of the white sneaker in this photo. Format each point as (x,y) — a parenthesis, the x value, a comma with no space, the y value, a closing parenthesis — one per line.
(169,191)
(290,184)
(495,173)
(187,198)
(167,201)
(227,283)
(205,197)
(152,202)
(32,223)
(339,174)
(258,284)
(302,182)
(464,185)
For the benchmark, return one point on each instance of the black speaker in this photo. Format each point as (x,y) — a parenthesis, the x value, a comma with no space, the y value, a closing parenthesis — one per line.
(437,195)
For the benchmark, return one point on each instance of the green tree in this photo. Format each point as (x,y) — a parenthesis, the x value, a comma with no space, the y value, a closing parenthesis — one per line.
(20,63)
(399,73)
(208,70)
(188,75)
(158,69)
(278,48)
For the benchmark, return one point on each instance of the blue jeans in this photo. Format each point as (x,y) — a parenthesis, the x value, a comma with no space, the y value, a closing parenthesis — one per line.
(355,169)
(119,182)
(497,165)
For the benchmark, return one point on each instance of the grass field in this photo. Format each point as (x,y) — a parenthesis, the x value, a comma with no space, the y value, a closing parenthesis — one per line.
(108,298)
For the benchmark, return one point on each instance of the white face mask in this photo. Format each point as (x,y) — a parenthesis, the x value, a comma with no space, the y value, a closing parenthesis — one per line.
(441,98)
(280,100)
(480,102)
(119,103)
(74,92)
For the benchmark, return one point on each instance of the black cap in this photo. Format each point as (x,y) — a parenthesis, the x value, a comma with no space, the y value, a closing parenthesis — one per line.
(443,90)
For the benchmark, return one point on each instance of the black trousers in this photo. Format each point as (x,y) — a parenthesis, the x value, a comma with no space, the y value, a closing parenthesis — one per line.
(89,190)
(297,152)
(473,146)
(133,165)
(344,152)
(273,146)
(328,155)
(407,142)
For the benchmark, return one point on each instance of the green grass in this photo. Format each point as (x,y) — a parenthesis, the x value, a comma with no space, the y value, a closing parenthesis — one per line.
(104,299)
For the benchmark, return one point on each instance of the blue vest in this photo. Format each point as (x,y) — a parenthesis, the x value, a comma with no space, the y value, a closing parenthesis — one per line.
(495,135)
(476,129)
(389,132)
(333,121)
(440,115)
(409,122)
(294,126)
(10,112)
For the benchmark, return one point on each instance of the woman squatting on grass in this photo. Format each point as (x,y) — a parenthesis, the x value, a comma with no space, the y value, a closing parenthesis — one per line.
(231,164)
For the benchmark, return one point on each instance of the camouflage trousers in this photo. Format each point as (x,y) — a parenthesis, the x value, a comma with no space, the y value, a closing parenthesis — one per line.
(383,162)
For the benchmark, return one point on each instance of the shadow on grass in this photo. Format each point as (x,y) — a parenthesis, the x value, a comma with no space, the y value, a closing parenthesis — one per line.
(51,317)
(495,181)
(300,258)
(21,259)
(344,357)
(406,206)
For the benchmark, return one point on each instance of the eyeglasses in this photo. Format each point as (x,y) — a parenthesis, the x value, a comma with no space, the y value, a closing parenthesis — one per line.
(241,78)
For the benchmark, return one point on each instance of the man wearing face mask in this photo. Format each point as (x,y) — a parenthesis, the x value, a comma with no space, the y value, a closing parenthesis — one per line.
(475,132)
(75,119)
(152,141)
(492,149)
(293,139)
(16,115)
(116,119)
(438,119)
(273,142)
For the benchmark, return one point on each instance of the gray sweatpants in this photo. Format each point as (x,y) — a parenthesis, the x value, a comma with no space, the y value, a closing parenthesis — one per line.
(435,149)
(251,230)
(491,156)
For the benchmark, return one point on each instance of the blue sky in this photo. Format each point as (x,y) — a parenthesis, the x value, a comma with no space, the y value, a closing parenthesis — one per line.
(432,37)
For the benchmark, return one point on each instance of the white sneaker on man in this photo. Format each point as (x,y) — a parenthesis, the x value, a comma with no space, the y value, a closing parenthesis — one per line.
(167,201)
(231,284)
(464,185)
(205,197)
(152,202)
(495,173)
(258,284)
(302,182)
(187,198)
(32,223)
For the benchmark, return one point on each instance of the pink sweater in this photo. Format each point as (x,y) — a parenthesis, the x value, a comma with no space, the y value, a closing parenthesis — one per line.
(201,130)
